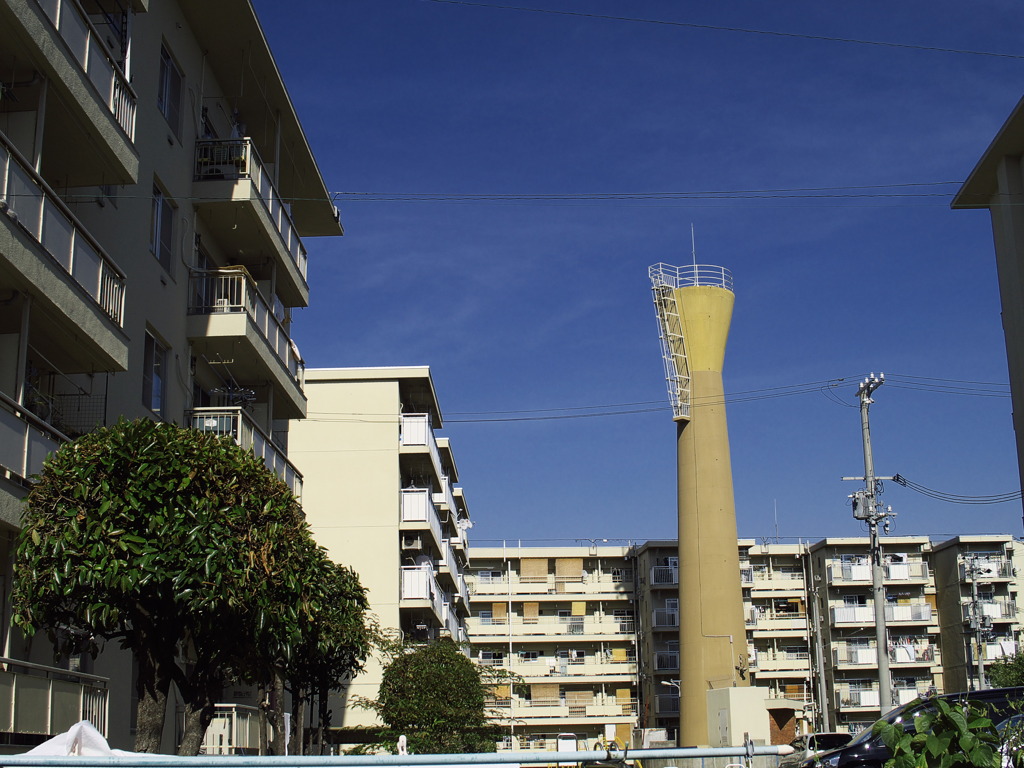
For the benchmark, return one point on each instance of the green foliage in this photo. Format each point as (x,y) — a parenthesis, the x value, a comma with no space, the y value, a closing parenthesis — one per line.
(1006,672)
(175,540)
(434,696)
(945,734)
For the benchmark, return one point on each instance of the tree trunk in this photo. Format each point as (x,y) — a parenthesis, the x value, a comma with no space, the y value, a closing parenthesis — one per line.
(276,713)
(324,720)
(200,698)
(261,696)
(153,686)
(298,740)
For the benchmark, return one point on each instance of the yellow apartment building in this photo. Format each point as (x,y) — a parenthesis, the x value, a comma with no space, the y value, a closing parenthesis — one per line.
(561,619)
(381,494)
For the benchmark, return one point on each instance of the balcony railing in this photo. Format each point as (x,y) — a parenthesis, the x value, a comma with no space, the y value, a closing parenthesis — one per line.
(25,440)
(666,661)
(231,291)
(665,619)
(901,653)
(416,430)
(666,704)
(419,583)
(28,201)
(587,666)
(239,426)
(48,700)
(865,614)
(664,575)
(767,619)
(987,569)
(238,159)
(839,573)
(418,507)
(85,45)
(234,730)
(999,610)
(562,625)
(591,583)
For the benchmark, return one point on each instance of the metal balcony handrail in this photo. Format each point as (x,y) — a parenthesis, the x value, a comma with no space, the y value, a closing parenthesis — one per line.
(231,289)
(691,275)
(50,222)
(26,439)
(235,422)
(428,513)
(86,46)
(239,158)
(82,677)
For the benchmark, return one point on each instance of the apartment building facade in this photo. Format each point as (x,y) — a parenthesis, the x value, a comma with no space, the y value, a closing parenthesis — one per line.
(976,580)
(154,210)
(382,495)
(560,619)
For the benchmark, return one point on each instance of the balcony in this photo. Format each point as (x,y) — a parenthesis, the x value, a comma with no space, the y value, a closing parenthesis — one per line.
(666,704)
(89,101)
(913,613)
(420,589)
(997,610)
(665,619)
(559,626)
(25,441)
(987,570)
(563,708)
(761,577)
(666,661)
(45,251)
(240,204)
(781,661)
(917,653)
(239,426)
(664,576)
(766,619)
(580,666)
(419,512)
(417,437)
(860,573)
(46,700)
(999,649)
(614,584)
(230,320)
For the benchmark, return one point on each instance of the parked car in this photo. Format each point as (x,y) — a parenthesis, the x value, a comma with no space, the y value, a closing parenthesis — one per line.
(867,750)
(811,744)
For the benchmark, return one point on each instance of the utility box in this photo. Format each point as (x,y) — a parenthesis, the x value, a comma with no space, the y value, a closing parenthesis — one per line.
(733,712)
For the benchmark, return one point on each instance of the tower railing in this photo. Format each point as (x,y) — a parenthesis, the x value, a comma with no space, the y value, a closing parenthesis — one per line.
(690,275)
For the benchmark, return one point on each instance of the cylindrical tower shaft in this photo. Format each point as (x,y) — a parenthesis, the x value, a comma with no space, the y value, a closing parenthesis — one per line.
(712,631)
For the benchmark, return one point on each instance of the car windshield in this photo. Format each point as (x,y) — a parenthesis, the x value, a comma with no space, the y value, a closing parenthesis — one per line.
(823,741)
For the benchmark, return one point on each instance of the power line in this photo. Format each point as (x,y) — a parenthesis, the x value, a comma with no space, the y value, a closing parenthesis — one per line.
(744,30)
(956,498)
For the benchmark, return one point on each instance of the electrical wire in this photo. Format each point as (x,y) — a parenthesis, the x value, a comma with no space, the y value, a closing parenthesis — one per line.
(956,498)
(718,28)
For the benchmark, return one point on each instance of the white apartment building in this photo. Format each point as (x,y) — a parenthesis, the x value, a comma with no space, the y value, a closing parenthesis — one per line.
(156,193)
(560,618)
(381,494)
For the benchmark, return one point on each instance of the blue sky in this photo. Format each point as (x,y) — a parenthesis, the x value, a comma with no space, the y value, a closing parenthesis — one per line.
(506,177)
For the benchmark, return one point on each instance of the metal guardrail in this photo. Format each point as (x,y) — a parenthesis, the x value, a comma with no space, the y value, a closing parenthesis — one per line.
(329,761)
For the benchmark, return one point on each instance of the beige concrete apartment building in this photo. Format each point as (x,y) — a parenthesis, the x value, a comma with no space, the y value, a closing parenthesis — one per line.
(156,193)
(381,494)
(562,619)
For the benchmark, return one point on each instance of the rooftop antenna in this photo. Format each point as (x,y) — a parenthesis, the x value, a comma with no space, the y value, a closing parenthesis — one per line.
(693,248)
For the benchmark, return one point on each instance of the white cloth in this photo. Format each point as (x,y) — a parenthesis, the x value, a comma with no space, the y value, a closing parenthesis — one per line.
(84,740)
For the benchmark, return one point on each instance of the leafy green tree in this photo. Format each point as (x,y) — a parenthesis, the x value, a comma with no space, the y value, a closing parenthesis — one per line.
(331,650)
(181,546)
(945,735)
(1006,672)
(435,696)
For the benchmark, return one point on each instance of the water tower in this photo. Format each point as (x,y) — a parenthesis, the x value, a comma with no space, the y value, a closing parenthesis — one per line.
(694,307)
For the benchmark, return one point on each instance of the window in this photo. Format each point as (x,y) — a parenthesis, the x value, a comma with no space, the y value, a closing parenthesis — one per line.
(154,375)
(161,240)
(528,657)
(168,94)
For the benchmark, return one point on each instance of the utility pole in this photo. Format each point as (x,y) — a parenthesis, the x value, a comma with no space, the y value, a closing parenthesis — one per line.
(980,624)
(866,507)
